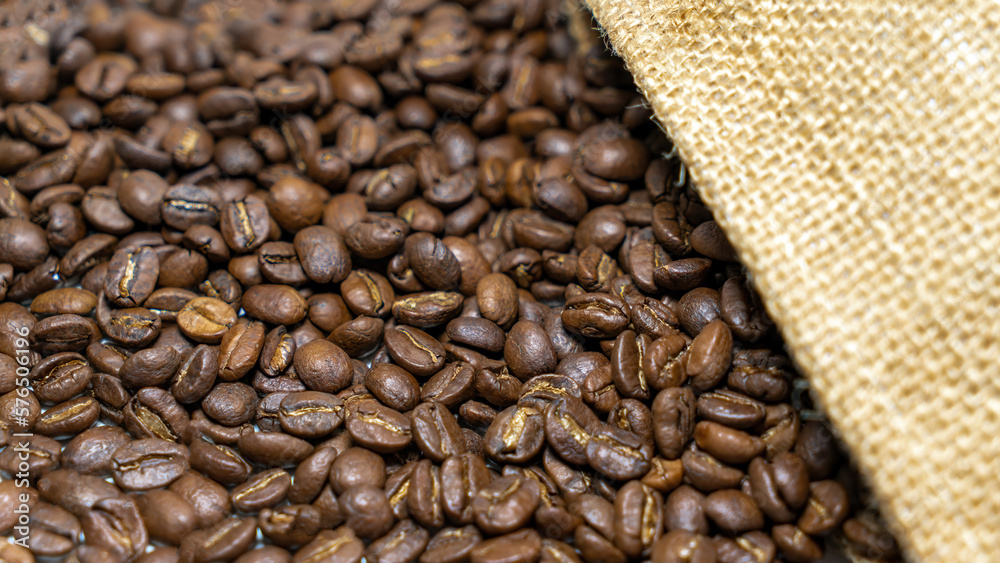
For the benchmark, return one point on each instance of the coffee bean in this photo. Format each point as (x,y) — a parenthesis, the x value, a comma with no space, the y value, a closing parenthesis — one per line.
(148,463)
(168,516)
(226,539)
(219,462)
(115,525)
(378,428)
(206,319)
(231,403)
(414,350)
(276,304)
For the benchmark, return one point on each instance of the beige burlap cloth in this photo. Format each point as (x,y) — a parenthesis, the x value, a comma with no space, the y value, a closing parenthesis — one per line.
(851,150)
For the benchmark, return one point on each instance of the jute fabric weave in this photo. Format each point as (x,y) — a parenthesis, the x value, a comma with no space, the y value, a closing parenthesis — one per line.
(851,151)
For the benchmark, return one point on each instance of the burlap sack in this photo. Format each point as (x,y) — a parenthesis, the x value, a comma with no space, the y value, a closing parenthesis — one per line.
(851,150)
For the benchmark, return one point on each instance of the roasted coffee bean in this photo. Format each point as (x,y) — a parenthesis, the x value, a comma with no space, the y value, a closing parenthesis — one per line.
(795,545)
(209,499)
(206,319)
(496,295)
(219,462)
(673,420)
(378,428)
(429,309)
(595,315)
(60,376)
(90,451)
(505,505)
(679,546)
(150,367)
(231,403)
(733,511)
(515,435)
(322,366)
(148,463)
(727,444)
(335,545)
(272,449)
(115,525)
(310,414)
(359,336)
(451,386)
(436,431)
(263,490)
(196,374)
(275,304)
(34,456)
(168,516)
(569,425)
(240,348)
(528,350)
(638,518)
(618,454)
(154,413)
(225,540)
(415,350)
(477,332)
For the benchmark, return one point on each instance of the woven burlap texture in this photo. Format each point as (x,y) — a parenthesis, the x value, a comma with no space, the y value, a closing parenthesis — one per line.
(851,151)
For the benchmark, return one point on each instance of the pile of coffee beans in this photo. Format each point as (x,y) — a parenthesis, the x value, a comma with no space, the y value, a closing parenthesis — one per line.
(381,280)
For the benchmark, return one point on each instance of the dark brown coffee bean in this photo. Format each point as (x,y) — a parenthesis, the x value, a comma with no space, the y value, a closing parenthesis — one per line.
(275,304)
(451,386)
(310,414)
(224,540)
(638,518)
(415,350)
(685,510)
(63,333)
(150,367)
(263,490)
(673,420)
(497,298)
(60,376)
(196,374)
(423,498)
(679,546)
(39,455)
(452,545)
(240,348)
(131,277)
(427,309)
(154,413)
(357,467)
(731,408)
(90,451)
(244,224)
(273,449)
(727,444)
(515,435)
(568,428)
(323,366)
(828,506)
(618,454)
(340,545)
(378,428)
(795,545)
(230,403)
(596,315)
(168,516)
(115,525)
(148,463)
(529,351)
(367,511)
(219,462)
